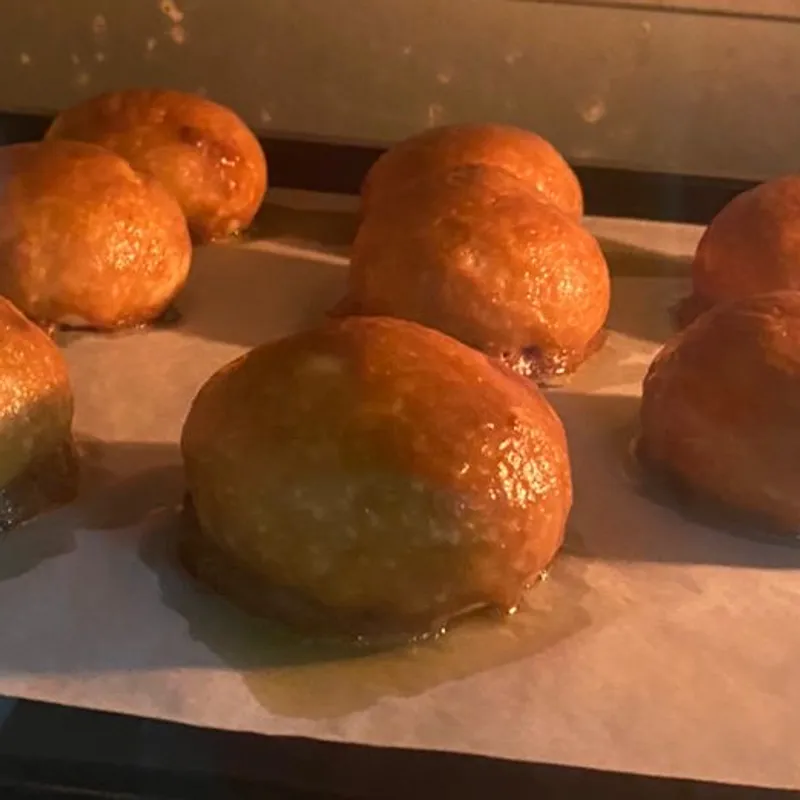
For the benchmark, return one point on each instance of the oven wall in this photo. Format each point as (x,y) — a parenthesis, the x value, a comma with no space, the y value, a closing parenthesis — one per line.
(692,86)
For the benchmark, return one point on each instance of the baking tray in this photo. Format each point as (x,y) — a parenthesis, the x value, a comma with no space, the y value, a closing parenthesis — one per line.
(660,645)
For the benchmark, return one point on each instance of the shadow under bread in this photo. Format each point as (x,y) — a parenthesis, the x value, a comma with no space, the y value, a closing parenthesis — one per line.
(46,536)
(323,228)
(109,486)
(246,295)
(312,677)
(125,481)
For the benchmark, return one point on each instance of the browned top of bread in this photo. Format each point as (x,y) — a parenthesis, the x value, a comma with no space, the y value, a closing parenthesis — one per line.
(721,404)
(525,155)
(82,234)
(752,245)
(476,253)
(387,473)
(200,150)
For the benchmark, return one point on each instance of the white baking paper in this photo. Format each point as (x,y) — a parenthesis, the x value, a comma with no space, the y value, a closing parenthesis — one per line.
(657,645)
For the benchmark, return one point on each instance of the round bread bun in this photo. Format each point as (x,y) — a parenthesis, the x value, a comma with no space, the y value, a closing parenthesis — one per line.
(85,240)
(721,407)
(372,478)
(525,155)
(201,151)
(38,466)
(477,254)
(751,246)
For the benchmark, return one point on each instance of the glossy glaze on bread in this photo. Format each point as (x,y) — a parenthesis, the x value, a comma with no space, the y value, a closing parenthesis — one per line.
(721,407)
(751,246)
(383,475)
(84,239)
(38,464)
(476,254)
(521,153)
(201,151)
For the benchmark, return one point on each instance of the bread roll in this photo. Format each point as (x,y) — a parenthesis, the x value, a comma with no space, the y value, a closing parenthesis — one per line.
(476,254)
(84,240)
(201,151)
(751,246)
(721,406)
(38,467)
(372,477)
(523,154)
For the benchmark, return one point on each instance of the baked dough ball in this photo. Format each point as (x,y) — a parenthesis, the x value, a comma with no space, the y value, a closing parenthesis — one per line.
(721,406)
(475,253)
(201,151)
(372,477)
(85,240)
(38,467)
(751,246)
(522,153)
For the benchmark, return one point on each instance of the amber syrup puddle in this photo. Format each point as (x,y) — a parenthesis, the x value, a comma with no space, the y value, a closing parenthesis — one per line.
(316,678)
(546,367)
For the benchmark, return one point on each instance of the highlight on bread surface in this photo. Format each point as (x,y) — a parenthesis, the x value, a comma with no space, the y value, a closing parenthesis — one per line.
(38,463)
(751,246)
(372,477)
(477,253)
(720,406)
(84,239)
(201,151)
(523,154)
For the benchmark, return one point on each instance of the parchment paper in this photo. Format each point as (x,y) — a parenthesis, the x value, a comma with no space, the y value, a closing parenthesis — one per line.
(658,644)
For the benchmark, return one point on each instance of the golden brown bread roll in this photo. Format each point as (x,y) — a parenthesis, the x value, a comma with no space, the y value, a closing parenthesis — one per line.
(84,240)
(372,477)
(201,151)
(721,406)
(525,155)
(751,246)
(38,467)
(476,254)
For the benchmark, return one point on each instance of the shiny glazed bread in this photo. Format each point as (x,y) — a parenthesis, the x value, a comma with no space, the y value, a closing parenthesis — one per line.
(372,477)
(721,405)
(521,153)
(476,254)
(38,466)
(202,152)
(85,240)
